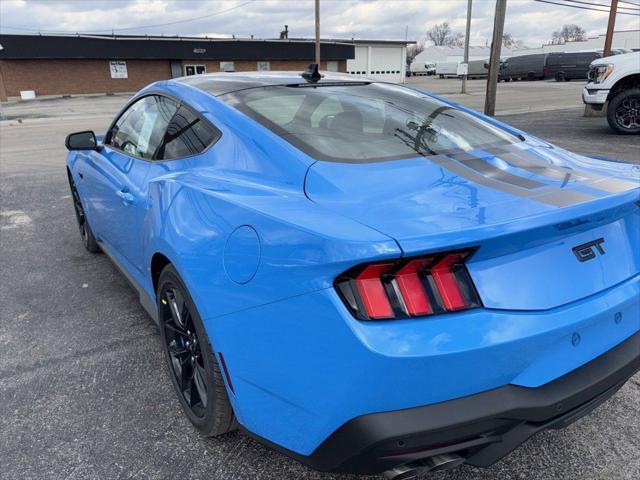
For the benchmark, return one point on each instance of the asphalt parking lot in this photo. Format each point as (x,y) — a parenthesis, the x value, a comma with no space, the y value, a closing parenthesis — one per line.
(83,389)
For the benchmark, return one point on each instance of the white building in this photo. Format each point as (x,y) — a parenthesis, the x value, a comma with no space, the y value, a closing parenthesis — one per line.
(377,59)
(380,59)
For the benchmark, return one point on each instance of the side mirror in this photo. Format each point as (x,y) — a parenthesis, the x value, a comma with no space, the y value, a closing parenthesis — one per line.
(81,141)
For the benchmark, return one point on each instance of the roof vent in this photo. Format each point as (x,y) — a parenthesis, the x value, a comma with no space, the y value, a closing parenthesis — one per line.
(311,73)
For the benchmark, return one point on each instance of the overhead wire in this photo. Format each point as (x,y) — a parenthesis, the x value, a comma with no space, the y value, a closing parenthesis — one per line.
(582,2)
(139,27)
(585,7)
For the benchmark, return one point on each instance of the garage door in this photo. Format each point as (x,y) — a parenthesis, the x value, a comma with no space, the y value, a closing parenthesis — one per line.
(386,63)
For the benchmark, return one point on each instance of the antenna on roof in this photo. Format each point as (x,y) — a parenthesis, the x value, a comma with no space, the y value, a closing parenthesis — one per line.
(311,73)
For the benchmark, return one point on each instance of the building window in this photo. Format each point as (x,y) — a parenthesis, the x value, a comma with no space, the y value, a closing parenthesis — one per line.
(332,66)
(227,67)
(264,66)
(195,69)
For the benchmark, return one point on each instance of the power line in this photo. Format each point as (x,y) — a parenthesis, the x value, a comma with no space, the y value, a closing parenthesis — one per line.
(630,3)
(601,5)
(186,20)
(585,8)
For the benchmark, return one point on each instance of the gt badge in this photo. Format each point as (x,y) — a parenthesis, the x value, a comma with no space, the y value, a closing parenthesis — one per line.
(586,251)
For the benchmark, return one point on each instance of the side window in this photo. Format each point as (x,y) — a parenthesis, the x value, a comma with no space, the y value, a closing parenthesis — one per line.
(186,135)
(140,129)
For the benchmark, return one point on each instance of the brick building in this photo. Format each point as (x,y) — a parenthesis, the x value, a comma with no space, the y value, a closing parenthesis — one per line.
(83,64)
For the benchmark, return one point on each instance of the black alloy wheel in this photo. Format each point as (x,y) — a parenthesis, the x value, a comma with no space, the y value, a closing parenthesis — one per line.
(185,353)
(191,361)
(86,233)
(623,112)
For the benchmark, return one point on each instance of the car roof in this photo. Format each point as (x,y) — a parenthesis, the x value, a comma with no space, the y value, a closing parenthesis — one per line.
(227,82)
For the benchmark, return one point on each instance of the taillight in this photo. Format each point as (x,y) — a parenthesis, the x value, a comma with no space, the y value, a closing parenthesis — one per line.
(409,287)
(546,69)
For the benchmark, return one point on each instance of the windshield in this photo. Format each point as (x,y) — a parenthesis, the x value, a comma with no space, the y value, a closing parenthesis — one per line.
(366,122)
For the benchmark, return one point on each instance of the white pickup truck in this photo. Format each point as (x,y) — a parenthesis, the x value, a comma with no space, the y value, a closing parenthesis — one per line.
(616,81)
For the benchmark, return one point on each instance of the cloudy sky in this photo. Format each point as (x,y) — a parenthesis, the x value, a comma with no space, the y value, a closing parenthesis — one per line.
(527,20)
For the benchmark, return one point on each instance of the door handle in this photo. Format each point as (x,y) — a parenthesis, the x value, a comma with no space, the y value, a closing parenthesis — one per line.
(126,197)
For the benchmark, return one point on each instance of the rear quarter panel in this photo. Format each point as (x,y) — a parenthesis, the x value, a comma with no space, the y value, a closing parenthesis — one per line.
(249,178)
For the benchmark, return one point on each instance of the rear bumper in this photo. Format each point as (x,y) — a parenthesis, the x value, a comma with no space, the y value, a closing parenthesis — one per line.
(313,368)
(482,428)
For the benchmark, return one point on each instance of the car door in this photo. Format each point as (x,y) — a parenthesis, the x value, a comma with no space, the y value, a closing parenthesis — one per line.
(115,180)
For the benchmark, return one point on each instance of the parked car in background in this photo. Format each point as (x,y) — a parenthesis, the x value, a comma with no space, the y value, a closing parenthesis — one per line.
(565,66)
(615,82)
(524,67)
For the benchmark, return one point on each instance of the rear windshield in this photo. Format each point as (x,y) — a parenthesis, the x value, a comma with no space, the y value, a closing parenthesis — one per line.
(366,122)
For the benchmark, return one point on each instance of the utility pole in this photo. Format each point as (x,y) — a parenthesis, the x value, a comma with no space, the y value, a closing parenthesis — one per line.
(494,60)
(610,27)
(466,46)
(318,32)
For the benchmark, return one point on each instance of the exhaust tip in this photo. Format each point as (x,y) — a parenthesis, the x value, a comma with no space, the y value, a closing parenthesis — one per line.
(436,463)
(403,472)
(443,462)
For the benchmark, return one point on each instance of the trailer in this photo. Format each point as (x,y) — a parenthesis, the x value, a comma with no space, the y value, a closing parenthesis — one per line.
(447,69)
(478,69)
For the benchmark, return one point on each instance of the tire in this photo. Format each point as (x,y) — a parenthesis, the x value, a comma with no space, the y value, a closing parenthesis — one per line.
(623,112)
(189,355)
(531,76)
(88,239)
(560,77)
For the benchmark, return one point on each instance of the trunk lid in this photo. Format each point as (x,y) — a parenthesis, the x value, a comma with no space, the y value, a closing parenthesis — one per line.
(551,227)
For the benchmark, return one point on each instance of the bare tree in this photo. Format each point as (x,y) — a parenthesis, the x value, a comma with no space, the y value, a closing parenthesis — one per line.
(568,33)
(454,40)
(413,51)
(439,33)
(510,42)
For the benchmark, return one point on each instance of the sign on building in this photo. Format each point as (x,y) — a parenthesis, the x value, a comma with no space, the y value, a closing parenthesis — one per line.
(118,69)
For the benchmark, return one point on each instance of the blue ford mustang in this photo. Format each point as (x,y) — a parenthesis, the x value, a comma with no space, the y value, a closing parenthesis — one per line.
(362,275)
